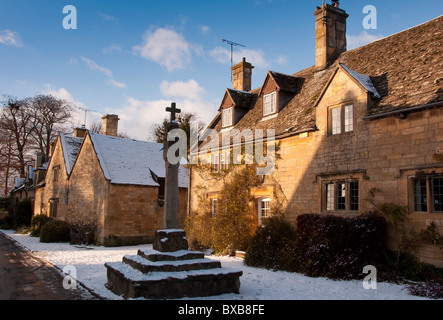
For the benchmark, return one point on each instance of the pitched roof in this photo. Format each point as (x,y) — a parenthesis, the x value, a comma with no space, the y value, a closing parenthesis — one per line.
(127,161)
(70,148)
(405,70)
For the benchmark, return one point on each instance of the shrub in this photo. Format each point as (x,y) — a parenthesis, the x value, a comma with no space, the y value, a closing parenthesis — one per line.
(430,289)
(37,222)
(272,245)
(83,233)
(339,247)
(6,222)
(23,214)
(55,231)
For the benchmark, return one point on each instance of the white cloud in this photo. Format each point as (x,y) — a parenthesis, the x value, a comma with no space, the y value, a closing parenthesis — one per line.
(94,66)
(205,29)
(165,47)
(360,40)
(179,89)
(255,56)
(10,38)
(112,48)
(108,73)
(116,84)
(138,116)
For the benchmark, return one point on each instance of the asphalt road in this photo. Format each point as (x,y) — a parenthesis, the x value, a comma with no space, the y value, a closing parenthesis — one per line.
(25,277)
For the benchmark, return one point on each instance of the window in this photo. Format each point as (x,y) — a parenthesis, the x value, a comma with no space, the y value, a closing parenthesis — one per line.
(55,173)
(428,193)
(330,196)
(222,161)
(214,207)
(341,119)
(349,118)
(336,121)
(437,194)
(53,208)
(264,209)
(341,196)
(215,162)
(227,117)
(420,195)
(353,195)
(269,103)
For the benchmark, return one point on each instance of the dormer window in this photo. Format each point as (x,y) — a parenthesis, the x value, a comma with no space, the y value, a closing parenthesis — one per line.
(341,119)
(227,117)
(269,103)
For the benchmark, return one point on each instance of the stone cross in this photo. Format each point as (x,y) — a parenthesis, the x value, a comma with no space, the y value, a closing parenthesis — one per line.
(173,110)
(171,178)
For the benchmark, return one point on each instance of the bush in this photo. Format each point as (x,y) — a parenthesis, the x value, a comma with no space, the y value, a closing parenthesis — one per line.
(37,222)
(83,233)
(272,246)
(338,247)
(23,214)
(6,222)
(55,231)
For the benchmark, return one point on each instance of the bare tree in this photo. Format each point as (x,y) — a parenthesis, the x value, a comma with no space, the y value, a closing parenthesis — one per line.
(16,122)
(49,117)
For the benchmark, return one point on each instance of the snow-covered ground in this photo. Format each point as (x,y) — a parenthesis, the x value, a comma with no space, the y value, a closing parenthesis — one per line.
(256,284)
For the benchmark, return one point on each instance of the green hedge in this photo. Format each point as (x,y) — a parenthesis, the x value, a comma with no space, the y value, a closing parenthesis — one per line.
(320,245)
(55,231)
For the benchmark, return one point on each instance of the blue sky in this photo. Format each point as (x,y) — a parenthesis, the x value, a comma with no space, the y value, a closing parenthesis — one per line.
(132,58)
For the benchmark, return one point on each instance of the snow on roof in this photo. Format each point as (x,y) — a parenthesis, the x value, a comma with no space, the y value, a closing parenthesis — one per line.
(70,147)
(18,182)
(364,80)
(127,161)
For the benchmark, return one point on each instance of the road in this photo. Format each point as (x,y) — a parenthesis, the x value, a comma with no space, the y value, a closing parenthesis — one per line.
(25,277)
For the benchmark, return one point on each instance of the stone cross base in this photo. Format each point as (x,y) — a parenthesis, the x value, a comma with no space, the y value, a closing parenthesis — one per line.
(170,271)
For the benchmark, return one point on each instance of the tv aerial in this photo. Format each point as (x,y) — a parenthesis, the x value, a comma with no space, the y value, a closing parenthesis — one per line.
(232,44)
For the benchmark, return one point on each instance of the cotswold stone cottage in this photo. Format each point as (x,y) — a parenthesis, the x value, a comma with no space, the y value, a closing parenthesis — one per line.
(357,121)
(114,182)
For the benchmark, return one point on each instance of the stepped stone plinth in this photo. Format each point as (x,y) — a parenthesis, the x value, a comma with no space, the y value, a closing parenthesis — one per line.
(169,271)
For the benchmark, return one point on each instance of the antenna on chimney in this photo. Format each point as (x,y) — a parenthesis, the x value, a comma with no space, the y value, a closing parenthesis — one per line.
(86,110)
(232,44)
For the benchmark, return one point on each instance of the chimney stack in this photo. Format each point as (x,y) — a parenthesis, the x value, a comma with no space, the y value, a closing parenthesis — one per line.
(242,76)
(80,132)
(330,34)
(110,124)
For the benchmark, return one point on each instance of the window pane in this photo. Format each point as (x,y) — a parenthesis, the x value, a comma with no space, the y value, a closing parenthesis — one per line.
(437,192)
(420,195)
(265,207)
(349,118)
(269,103)
(330,196)
(273,102)
(215,162)
(336,120)
(353,194)
(341,196)
(227,117)
(214,207)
